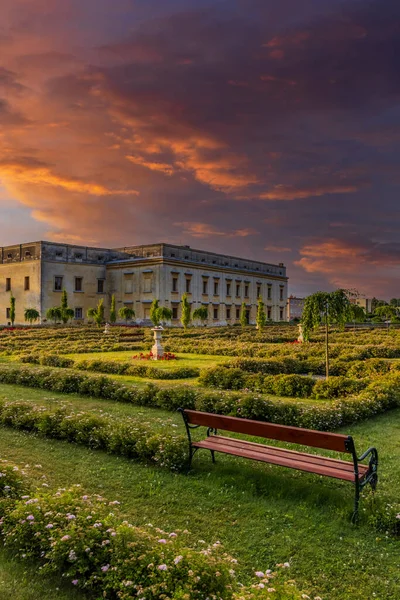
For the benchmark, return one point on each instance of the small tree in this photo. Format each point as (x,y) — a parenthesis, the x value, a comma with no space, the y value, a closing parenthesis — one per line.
(164,314)
(97,314)
(243,315)
(31,315)
(261,318)
(12,310)
(201,314)
(327,308)
(113,311)
(154,313)
(186,312)
(356,314)
(67,313)
(126,313)
(54,314)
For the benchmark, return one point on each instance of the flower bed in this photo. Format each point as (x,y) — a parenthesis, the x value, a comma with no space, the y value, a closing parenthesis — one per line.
(83,537)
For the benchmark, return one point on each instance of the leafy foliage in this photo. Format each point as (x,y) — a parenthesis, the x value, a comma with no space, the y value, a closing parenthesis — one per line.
(186,316)
(201,313)
(54,314)
(97,314)
(12,309)
(243,315)
(261,318)
(113,311)
(31,315)
(127,313)
(332,307)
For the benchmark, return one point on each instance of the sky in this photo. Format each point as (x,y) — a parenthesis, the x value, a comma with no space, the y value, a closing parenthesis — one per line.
(263,129)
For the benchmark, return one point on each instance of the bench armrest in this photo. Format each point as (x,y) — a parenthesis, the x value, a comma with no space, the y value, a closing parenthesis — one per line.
(374,455)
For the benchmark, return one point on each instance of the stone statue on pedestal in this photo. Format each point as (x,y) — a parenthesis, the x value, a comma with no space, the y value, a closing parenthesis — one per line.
(301,335)
(157,350)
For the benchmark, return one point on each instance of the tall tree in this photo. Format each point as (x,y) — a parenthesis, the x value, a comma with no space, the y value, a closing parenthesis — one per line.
(12,309)
(201,314)
(325,308)
(113,311)
(97,314)
(261,318)
(243,315)
(126,313)
(186,312)
(31,315)
(154,314)
(67,313)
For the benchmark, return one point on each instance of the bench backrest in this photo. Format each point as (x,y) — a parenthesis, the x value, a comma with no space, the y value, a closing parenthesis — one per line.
(283,433)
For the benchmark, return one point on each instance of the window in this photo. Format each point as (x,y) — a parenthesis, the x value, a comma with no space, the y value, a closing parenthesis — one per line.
(27,254)
(238,289)
(9,255)
(78,284)
(8,313)
(174,284)
(172,255)
(281,314)
(128,281)
(237,313)
(269,296)
(59,254)
(269,313)
(186,257)
(8,284)
(147,284)
(215,288)
(100,257)
(228,289)
(258,291)
(215,312)
(188,281)
(246,291)
(281,293)
(100,286)
(228,313)
(174,312)
(78,255)
(78,313)
(26,283)
(205,286)
(58,283)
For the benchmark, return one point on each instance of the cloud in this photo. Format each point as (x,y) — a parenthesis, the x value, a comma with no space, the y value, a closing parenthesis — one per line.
(277,249)
(204,230)
(285,192)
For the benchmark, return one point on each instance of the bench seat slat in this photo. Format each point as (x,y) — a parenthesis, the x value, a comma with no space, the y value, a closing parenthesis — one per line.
(285,461)
(302,456)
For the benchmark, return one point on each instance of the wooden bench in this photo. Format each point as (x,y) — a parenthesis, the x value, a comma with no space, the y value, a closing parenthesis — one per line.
(353,471)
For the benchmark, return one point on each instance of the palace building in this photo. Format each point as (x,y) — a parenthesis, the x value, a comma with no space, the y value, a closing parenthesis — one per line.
(36,273)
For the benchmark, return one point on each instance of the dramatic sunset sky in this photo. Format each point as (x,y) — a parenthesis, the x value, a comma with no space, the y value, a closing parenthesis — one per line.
(268,129)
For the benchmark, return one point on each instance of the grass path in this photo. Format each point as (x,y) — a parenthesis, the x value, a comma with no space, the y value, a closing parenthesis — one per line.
(262,514)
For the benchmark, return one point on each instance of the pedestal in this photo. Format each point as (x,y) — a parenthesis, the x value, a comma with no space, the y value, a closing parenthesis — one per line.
(157,349)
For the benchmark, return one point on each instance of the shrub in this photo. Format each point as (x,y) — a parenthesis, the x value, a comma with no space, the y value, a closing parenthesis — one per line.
(337,387)
(223,378)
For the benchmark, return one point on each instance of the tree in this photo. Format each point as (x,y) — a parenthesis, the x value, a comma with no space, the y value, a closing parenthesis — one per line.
(12,310)
(164,314)
(243,315)
(356,314)
(113,312)
(186,312)
(31,315)
(386,312)
(54,314)
(201,313)
(327,308)
(67,313)
(261,318)
(97,314)
(126,313)
(154,316)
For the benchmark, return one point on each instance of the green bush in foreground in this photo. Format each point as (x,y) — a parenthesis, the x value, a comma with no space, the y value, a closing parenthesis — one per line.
(82,537)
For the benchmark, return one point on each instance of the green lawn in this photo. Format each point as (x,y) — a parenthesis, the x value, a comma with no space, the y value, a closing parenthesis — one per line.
(201,361)
(262,514)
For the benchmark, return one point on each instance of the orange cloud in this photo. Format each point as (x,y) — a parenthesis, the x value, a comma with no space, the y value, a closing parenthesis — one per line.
(153,166)
(202,230)
(287,192)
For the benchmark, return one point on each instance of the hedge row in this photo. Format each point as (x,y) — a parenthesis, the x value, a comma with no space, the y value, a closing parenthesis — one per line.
(125,437)
(110,367)
(83,537)
(379,396)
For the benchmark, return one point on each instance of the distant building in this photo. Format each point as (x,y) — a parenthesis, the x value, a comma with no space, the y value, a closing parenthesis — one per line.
(37,272)
(365,303)
(294,308)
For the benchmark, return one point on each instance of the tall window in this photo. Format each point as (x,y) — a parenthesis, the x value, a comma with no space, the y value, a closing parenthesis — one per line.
(26,283)
(8,313)
(8,284)
(246,291)
(228,289)
(215,312)
(205,286)
(147,284)
(281,314)
(174,312)
(215,288)
(174,284)
(228,313)
(78,284)
(58,283)
(268,312)
(238,289)
(188,281)
(78,313)
(100,286)
(237,312)
(281,293)
(258,291)
(269,296)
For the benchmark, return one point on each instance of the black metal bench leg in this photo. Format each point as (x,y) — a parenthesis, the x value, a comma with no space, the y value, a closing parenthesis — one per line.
(354,518)
(213,455)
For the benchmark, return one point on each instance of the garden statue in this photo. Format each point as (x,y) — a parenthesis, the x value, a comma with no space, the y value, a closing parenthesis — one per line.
(157,350)
(107,328)
(300,339)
